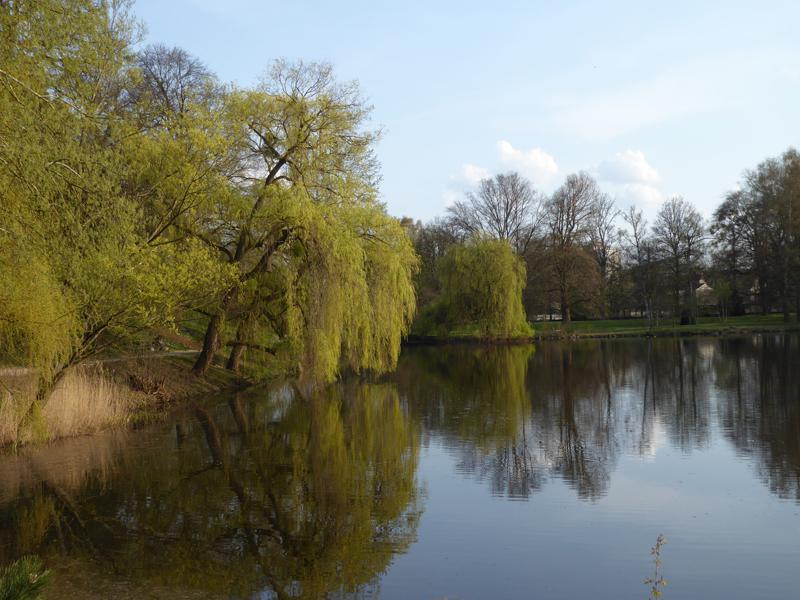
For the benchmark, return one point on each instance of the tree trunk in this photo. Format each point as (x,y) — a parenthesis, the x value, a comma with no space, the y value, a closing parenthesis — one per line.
(235,358)
(237,351)
(566,317)
(239,415)
(46,386)
(210,345)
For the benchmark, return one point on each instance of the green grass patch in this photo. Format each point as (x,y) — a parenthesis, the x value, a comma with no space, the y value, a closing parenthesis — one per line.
(611,327)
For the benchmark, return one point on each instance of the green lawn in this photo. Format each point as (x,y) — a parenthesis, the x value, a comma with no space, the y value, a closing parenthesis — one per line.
(642,326)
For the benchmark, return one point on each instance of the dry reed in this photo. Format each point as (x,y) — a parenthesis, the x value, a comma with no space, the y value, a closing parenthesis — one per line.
(85,401)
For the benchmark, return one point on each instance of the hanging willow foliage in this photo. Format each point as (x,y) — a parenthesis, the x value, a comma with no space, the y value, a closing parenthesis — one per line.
(37,324)
(345,285)
(482,283)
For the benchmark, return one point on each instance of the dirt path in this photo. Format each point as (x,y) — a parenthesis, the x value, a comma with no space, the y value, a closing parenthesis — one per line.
(19,371)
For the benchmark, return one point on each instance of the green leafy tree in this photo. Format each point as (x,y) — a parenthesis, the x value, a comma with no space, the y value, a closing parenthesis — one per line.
(72,215)
(324,275)
(482,282)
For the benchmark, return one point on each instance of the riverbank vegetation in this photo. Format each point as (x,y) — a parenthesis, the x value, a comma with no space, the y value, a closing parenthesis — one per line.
(95,396)
(139,191)
(24,579)
(642,327)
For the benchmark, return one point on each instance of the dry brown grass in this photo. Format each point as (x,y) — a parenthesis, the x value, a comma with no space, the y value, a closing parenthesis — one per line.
(100,395)
(85,401)
(16,394)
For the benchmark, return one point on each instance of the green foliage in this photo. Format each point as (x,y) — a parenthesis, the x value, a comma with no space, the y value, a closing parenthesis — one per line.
(482,283)
(137,189)
(87,222)
(24,579)
(36,324)
(342,293)
(325,276)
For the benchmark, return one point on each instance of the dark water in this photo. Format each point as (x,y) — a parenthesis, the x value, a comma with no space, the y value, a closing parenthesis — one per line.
(516,472)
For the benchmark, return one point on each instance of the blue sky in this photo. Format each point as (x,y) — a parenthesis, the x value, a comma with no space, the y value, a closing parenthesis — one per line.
(653,99)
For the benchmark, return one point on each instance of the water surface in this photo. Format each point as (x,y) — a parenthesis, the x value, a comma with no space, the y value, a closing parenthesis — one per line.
(503,472)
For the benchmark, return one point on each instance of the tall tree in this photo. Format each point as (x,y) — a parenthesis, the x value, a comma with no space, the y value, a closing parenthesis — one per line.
(323,272)
(69,208)
(482,284)
(431,241)
(568,219)
(506,207)
(642,259)
(729,238)
(602,233)
(773,188)
(680,235)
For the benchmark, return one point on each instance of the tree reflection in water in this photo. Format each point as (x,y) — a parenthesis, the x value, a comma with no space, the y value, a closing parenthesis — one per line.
(277,496)
(515,417)
(300,497)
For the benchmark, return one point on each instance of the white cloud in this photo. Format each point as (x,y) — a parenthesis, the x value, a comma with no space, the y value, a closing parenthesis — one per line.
(631,179)
(536,164)
(629,166)
(639,194)
(471,174)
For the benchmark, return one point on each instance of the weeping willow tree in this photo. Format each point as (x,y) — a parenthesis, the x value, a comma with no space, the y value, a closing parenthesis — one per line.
(324,274)
(337,294)
(81,261)
(349,296)
(136,188)
(482,282)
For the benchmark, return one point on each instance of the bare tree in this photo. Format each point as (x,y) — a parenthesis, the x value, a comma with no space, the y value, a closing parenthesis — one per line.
(642,258)
(680,234)
(773,193)
(506,207)
(602,231)
(172,77)
(729,238)
(568,220)
(431,241)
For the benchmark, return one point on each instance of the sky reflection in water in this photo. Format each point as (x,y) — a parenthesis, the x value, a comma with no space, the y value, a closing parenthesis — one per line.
(506,472)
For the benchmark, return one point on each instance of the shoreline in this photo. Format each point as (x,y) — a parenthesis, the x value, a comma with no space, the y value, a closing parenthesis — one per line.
(663,331)
(115,393)
(659,333)
(145,388)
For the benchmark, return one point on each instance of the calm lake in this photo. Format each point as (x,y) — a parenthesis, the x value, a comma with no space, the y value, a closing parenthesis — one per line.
(472,472)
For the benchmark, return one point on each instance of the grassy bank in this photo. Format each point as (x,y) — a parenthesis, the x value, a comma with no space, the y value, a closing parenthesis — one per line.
(666,327)
(101,395)
(619,328)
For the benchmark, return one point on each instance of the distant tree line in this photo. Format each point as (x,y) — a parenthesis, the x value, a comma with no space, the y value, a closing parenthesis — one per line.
(586,258)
